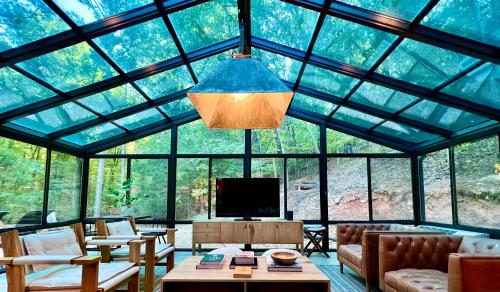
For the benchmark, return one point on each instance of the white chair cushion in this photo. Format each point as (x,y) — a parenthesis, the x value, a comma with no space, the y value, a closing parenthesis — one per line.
(161,249)
(477,245)
(70,276)
(120,228)
(61,242)
(402,228)
(226,250)
(268,252)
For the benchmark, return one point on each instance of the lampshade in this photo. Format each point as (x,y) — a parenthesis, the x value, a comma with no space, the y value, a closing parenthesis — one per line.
(241,93)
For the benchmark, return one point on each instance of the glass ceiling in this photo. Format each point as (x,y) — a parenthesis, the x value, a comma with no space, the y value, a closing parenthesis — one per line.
(127,65)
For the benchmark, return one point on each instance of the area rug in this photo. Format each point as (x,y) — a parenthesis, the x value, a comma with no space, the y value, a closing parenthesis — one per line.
(346,282)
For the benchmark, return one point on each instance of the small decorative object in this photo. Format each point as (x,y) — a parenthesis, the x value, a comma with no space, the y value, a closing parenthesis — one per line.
(244,258)
(283,258)
(211,261)
(242,272)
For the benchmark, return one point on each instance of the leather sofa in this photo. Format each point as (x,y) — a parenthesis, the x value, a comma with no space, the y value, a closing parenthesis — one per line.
(357,247)
(438,263)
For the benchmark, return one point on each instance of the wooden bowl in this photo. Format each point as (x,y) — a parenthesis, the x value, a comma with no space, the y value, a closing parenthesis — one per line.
(284,258)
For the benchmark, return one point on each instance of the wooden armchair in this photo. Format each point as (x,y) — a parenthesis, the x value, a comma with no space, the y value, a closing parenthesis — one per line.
(150,256)
(58,261)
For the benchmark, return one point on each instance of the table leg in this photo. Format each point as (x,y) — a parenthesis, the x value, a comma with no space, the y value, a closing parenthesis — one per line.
(193,249)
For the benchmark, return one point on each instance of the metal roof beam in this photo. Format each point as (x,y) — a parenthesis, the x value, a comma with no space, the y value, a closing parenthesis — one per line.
(401,27)
(380,79)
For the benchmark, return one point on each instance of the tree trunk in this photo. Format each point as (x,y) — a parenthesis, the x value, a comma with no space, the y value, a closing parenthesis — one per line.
(98,188)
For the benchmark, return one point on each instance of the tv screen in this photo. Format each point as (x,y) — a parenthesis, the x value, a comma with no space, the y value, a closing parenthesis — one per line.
(247,197)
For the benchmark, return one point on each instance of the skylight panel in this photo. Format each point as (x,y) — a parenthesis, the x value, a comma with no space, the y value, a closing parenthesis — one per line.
(402,9)
(356,118)
(16,90)
(177,107)
(83,11)
(140,119)
(97,133)
(56,118)
(70,68)
(283,67)
(166,82)
(351,43)
(382,98)
(403,132)
(199,26)
(139,46)
(22,22)
(312,104)
(114,99)
(327,81)
(473,19)
(283,23)
(482,86)
(423,64)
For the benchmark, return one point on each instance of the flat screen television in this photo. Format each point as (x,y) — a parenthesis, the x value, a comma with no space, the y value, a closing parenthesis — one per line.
(247,197)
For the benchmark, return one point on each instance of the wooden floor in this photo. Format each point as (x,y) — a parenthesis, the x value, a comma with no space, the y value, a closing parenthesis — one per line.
(347,282)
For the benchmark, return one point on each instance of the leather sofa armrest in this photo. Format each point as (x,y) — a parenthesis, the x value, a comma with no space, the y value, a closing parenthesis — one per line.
(353,233)
(473,272)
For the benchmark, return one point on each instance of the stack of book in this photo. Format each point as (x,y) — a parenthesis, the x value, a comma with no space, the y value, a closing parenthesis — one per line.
(273,267)
(211,261)
(244,258)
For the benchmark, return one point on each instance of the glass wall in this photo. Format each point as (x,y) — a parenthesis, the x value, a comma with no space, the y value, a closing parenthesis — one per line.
(303,188)
(437,187)
(272,168)
(191,196)
(149,179)
(223,168)
(64,187)
(477,172)
(392,196)
(22,171)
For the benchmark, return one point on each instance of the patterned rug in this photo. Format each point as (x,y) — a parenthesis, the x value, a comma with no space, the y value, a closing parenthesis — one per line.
(347,282)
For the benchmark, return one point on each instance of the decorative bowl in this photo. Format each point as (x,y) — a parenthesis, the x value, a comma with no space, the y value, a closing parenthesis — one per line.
(284,258)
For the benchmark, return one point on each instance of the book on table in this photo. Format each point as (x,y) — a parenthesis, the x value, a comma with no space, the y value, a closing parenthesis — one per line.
(211,261)
(273,267)
(253,264)
(242,272)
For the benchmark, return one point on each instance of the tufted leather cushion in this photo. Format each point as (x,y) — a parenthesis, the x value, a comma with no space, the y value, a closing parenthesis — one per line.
(61,242)
(477,245)
(352,253)
(353,233)
(413,280)
(70,276)
(120,228)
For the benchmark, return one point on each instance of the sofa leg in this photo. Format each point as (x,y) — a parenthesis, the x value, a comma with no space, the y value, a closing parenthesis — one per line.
(341,268)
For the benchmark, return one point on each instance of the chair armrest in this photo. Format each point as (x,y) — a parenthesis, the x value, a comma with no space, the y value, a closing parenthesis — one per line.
(473,272)
(111,242)
(50,259)
(152,230)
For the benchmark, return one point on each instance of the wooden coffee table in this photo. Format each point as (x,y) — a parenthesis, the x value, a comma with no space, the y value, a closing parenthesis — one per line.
(186,278)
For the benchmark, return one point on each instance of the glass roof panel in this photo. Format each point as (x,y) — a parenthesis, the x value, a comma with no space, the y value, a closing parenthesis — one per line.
(140,119)
(139,45)
(70,68)
(94,134)
(114,99)
(327,81)
(356,118)
(284,67)
(477,20)
(204,66)
(338,142)
(481,85)
(16,90)
(283,23)
(404,132)
(199,26)
(312,104)
(56,118)
(166,82)
(22,22)
(351,43)
(402,9)
(423,64)
(443,116)
(177,107)
(84,11)
(382,98)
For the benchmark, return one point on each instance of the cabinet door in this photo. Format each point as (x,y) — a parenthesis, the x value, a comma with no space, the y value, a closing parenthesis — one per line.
(208,227)
(234,232)
(261,232)
(289,232)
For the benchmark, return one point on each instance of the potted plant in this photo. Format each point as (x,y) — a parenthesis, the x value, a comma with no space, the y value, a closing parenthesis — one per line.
(123,199)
